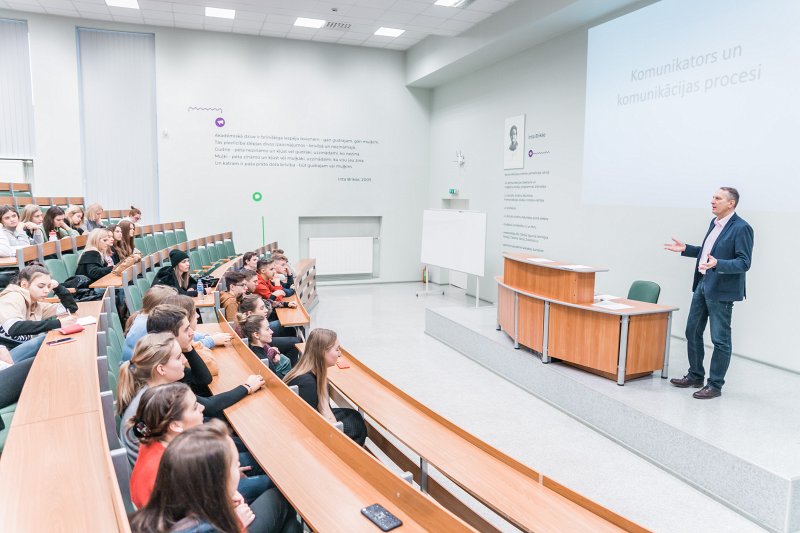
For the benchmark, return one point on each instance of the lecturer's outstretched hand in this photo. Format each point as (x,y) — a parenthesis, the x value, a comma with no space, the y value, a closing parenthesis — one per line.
(675,246)
(711,263)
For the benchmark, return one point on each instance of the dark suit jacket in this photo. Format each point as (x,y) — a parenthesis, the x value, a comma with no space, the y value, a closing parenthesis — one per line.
(733,252)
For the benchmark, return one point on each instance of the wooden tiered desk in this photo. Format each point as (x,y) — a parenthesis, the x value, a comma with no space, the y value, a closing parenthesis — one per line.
(550,309)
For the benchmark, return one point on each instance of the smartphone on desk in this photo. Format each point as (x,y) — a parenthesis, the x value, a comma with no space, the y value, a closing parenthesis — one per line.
(378,515)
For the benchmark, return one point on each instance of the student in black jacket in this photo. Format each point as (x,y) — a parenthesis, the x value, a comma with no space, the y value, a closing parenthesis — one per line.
(311,377)
(177,274)
(95,262)
(167,318)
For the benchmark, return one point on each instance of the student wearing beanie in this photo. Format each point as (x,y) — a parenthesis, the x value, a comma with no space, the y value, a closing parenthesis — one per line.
(177,274)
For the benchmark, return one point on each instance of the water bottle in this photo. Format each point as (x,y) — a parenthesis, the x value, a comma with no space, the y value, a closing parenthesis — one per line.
(53,236)
(200,290)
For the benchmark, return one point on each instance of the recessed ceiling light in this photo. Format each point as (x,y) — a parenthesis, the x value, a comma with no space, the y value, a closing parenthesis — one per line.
(221,13)
(130,4)
(453,3)
(389,32)
(309,23)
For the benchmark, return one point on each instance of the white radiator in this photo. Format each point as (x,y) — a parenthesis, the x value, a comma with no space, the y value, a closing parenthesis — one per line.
(341,255)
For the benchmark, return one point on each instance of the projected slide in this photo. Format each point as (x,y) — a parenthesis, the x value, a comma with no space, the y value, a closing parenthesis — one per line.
(685,96)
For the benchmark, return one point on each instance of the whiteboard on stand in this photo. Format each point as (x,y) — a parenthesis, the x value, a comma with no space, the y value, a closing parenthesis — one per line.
(454,239)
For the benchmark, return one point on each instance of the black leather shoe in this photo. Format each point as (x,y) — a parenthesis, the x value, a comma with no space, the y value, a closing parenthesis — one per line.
(707,392)
(686,382)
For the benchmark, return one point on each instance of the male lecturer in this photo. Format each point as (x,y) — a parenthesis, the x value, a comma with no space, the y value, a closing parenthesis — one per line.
(719,280)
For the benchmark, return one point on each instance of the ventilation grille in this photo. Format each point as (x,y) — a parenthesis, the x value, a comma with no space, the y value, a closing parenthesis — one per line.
(341,26)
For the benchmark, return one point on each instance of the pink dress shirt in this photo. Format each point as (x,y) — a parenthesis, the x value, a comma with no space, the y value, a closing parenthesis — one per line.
(719,225)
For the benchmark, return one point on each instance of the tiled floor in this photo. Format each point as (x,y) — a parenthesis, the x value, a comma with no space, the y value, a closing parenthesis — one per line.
(383,325)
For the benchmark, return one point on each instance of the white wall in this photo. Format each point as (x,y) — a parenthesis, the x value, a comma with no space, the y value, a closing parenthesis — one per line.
(265,86)
(280,87)
(547,83)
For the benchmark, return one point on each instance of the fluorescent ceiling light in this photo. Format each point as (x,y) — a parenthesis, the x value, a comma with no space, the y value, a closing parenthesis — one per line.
(130,4)
(453,3)
(218,12)
(389,32)
(309,23)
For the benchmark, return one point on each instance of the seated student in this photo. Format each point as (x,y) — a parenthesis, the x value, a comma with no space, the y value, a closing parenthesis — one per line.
(176,274)
(158,358)
(74,218)
(55,220)
(195,490)
(250,261)
(265,286)
(123,241)
(11,235)
(283,274)
(12,379)
(174,319)
(283,338)
(250,280)
(136,327)
(279,251)
(255,329)
(24,315)
(311,377)
(199,340)
(165,412)
(229,300)
(95,261)
(93,218)
(31,223)
(134,215)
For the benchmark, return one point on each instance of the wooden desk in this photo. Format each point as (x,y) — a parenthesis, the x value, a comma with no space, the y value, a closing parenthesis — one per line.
(56,475)
(289,317)
(206,300)
(222,269)
(8,262)
(56,472)
(324,475)
(551,310)
(505,485)
(65,376)
(109,280)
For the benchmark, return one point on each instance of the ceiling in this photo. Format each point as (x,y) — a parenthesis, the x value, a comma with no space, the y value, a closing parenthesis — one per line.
(275,18)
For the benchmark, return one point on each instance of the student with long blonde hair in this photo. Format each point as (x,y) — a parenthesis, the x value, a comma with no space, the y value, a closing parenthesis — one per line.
(311,377)
(94,262)
(93,217)
(31,223)
(74,218)
(157,359)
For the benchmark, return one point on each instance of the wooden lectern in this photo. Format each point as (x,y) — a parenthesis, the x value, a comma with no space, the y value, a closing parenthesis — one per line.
(550,308)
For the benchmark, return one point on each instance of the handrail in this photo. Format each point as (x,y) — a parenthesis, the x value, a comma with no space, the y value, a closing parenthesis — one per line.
(508,487)
(305,280)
